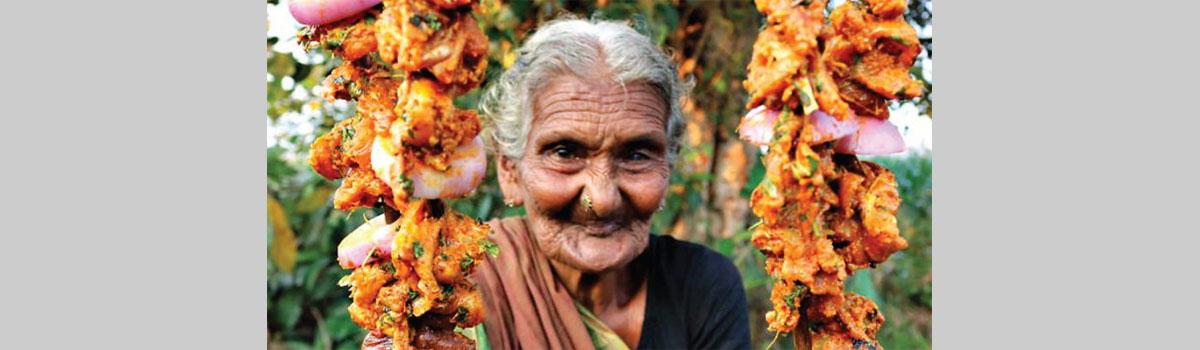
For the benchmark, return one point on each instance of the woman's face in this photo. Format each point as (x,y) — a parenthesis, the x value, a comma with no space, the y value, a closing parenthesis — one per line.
(594,170)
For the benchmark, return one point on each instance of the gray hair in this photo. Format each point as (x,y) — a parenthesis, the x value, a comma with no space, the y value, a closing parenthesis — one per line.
(575,46)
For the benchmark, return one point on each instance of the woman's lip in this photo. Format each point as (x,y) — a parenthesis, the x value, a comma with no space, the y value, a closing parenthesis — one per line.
(600,229)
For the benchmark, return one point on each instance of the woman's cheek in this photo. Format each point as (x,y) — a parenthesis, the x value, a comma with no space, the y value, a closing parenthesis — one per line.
(550,190)
(647,190)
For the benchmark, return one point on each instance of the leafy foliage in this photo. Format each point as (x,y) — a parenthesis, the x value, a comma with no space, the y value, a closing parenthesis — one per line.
(710,40)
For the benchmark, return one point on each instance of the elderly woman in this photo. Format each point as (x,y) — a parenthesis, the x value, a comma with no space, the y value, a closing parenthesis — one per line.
(585,125)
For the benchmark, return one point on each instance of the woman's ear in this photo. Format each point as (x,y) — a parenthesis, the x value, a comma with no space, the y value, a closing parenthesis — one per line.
(510,181)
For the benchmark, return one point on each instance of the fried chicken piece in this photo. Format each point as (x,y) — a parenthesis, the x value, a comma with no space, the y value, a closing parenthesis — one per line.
(883,74)
(345,152)
(786,298)
(868,56)
(413,35)
(888,9)
(351,38)
(361,189)
(828,92)
(774,65)
(378,101)
(347,145)
(878,211)
(429,118)
(458,57)
(430,128)
(325,156)
(402,30)
(799,22)
(418,247)
(461,242)
(392,297)
(470,309)
(344,82)
(864,102)
(783,53)
(848,321)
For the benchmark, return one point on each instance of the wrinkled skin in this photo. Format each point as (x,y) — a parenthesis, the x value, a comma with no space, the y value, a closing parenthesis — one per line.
(590,136)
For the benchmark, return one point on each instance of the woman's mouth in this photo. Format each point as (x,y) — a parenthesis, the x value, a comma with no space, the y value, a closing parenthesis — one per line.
(600,229)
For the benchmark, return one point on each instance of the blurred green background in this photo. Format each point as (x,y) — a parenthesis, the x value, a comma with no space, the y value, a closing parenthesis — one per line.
(707,202)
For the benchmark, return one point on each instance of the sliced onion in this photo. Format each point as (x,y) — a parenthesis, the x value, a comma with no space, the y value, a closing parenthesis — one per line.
(356,248)
(874,137)
(315,12)
(827,128)
(468,164)
(758,126)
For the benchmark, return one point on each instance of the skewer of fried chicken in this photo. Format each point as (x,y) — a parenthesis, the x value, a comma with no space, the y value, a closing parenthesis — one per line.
(819,92)
(405,149)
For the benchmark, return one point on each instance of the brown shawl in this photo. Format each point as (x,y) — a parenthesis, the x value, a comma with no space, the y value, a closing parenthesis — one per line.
(526,306)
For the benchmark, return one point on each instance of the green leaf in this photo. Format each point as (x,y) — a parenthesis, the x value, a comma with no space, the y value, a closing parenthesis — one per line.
(757,171)
(725,247)
(287,309)
(861,283)
(297,345)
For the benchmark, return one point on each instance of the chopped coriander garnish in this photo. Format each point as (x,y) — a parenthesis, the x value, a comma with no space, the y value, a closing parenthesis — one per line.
(347,134)
(792,298)
(418,250)
(466,263)
(433,21)
(490,247)
(405,183)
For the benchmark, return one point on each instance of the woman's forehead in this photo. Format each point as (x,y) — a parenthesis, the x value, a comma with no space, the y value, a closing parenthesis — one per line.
(568,99)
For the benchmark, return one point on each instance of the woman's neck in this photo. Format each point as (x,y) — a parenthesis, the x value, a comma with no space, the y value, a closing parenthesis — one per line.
(602,291)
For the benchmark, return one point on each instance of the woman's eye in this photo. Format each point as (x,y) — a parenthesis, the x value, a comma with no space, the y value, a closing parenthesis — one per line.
(638,156)
(563,151)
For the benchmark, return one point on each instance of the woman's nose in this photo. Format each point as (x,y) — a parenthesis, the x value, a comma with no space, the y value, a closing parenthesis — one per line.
(601,195)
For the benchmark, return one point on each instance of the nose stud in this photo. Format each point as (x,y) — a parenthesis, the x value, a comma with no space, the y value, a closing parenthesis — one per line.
(587,202)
